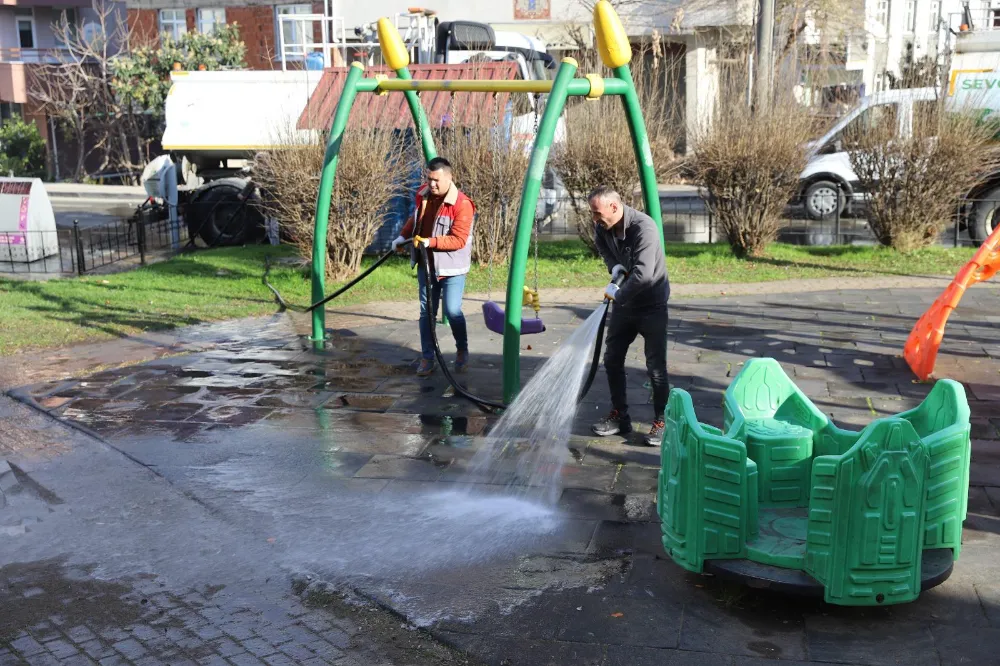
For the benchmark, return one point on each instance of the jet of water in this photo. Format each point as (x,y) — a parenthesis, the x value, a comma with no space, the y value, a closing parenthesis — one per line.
(526,449)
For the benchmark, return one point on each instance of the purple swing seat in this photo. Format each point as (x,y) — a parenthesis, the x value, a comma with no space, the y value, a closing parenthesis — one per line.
(494,316)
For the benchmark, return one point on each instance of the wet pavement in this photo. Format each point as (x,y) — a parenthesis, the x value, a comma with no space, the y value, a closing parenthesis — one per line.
(243,460)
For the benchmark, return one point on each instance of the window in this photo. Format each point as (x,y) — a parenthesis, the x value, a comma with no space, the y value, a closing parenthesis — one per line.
(926,113)
(25,28)
(172,23)
(210,20)
(911,15)
(66,26)
(296,34)
(882,13)
(9,110)
(935,15)
(881,120)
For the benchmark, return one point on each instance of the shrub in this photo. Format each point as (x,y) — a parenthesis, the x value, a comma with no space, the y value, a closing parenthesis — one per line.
(372,169)
(913,184)
(489,163)
(598,147)
(749,163)
(22,150)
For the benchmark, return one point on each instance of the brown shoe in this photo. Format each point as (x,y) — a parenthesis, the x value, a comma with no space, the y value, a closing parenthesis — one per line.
(426,368)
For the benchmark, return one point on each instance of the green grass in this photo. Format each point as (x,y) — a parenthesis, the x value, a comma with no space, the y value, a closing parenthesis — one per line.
(222,284)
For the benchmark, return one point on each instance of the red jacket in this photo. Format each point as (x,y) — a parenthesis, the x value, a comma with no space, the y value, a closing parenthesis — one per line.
(451,236)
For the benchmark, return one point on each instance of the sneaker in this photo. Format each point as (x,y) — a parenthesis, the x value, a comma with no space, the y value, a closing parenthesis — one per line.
(613,424)
(461,361)
(425,368)
(655,436)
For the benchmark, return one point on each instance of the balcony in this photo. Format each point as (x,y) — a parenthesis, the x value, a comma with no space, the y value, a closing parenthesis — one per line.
(84,4)
(32,56)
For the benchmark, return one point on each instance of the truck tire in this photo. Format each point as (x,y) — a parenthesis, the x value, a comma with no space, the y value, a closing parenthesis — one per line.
(217,215)
(824,200)
(985,215)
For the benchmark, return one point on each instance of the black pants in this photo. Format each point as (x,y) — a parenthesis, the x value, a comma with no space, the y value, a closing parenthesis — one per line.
(623,328)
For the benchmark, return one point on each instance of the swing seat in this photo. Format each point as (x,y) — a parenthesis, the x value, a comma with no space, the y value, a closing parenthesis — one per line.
(494,316)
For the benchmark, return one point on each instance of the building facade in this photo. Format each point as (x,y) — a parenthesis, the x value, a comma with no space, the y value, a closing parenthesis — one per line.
(897,32)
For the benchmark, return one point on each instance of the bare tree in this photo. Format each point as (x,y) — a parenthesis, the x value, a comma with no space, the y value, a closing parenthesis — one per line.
(77,89)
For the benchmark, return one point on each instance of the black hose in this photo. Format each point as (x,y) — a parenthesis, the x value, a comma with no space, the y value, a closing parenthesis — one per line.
(595,362)
(298,308)
(485,405)
(482,403)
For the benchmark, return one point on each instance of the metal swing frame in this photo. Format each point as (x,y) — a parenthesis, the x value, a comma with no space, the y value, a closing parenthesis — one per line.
(615,52)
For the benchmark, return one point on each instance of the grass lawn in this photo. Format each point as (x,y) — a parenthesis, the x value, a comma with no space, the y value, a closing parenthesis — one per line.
(222,284)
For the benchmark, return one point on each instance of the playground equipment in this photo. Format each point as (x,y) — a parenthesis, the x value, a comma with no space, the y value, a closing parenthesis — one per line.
(782,498)
(615,53)
(921,348)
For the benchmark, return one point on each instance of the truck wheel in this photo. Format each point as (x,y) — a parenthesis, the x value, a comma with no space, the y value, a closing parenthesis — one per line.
(985,216)
(217,215)
(823,200)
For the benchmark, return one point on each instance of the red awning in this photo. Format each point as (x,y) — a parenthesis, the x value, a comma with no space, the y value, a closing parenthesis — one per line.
(391,110)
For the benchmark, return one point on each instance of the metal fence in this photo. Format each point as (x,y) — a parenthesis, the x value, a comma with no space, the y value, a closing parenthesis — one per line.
(82,249)
(689,219)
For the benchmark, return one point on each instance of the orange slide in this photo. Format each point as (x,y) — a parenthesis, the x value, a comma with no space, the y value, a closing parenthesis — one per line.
(921,347)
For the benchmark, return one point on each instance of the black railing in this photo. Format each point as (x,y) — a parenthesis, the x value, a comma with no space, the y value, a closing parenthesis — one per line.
(85,248)
(688,218)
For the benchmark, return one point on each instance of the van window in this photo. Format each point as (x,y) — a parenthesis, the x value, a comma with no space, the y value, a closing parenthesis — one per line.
(925,116)
(880,119)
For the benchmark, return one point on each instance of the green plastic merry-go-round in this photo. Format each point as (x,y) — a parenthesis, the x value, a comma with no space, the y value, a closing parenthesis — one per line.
(781,498)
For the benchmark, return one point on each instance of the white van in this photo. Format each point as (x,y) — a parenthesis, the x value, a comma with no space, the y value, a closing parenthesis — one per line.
(828,184)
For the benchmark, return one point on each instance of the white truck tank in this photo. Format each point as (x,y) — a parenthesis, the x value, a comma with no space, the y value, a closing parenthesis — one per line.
(234,114)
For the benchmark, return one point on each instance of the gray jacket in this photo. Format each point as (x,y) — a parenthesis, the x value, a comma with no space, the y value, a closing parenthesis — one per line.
(641,254)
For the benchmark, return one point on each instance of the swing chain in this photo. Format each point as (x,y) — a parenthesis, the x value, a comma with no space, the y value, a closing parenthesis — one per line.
(495,166)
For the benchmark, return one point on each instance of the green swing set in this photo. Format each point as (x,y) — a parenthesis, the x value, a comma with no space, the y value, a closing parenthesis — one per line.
(616,54)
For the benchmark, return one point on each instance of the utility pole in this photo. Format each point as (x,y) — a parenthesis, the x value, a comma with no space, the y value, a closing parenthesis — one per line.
(764,55)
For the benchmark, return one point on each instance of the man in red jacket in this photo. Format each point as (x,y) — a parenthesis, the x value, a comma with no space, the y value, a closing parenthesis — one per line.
(442,223)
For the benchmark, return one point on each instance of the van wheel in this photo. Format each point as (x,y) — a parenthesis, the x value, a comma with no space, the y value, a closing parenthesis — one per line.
(985,216)
(823,200)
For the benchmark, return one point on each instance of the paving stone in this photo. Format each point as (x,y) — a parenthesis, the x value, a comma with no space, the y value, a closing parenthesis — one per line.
(621,655)
(864,641)
(61,649)
(622,621)
(966,645)
(130,648)
(81,634)
(114,660)
(518,652)
(775,630)
(96,650)
(245,659)
(27,646)
(395,467)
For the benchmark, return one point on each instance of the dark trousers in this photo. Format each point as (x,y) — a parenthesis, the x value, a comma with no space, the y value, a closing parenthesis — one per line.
(623,328)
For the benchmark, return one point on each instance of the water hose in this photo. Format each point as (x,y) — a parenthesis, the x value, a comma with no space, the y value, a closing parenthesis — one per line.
(595,362)
(297,308)
(482,403)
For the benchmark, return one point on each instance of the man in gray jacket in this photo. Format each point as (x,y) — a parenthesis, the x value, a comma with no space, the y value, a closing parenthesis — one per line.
(629,243)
